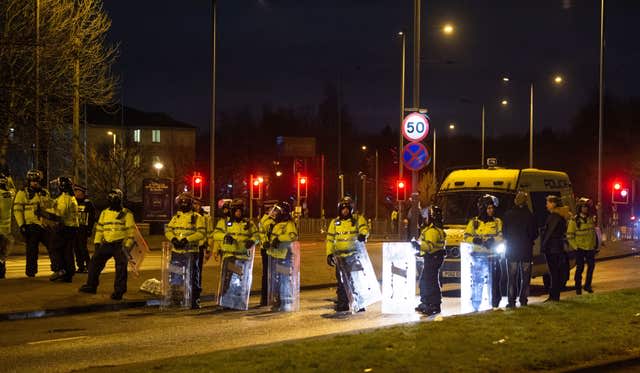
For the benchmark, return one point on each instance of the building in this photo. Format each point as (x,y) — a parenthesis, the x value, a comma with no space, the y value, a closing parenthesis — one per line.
(124,148)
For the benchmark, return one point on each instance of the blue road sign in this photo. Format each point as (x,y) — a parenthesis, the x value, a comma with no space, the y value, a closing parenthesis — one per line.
(415,156)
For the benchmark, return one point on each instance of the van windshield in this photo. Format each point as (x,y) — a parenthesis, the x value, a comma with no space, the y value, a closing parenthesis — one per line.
(459,207)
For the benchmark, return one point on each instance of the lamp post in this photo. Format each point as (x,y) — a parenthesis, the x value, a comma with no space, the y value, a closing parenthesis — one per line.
(600,113)
(112,133)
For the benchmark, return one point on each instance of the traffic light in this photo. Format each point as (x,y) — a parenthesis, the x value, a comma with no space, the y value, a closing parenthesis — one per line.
(619,194)
(303,184)
(256,187)
(401,190)
(197,182)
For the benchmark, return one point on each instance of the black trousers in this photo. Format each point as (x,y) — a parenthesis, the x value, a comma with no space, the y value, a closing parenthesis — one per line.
(4,247)
(34,236)
(430,292)
(62,250)
(265,276)
(80,247)
(582,256)
(105,252)
(519,273)
(556,264)
(341,293)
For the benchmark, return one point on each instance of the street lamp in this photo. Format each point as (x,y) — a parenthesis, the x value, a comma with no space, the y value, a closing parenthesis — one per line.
(112,133)
(504,102)
(448,29)
(158,166)
(452,126)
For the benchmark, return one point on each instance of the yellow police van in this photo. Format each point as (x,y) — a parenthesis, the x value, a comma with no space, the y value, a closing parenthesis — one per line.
(459,193)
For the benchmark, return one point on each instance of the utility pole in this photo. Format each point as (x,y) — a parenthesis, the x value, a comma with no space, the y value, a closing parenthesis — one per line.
(76,119)
(417,13)
(37,113)
(212,129)
(600,114)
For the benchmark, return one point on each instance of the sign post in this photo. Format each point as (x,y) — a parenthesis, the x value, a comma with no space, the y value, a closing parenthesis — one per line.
(415,128)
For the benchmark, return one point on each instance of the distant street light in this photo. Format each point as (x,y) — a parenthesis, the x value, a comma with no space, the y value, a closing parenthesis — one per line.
(448,29)
(558,79)
(111,133)
(452,126)
(363,147)
(504,102)
(505,79)
(158,166)
(278,173)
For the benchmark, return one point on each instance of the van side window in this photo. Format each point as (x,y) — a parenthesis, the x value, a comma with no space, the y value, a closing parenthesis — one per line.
(539,203)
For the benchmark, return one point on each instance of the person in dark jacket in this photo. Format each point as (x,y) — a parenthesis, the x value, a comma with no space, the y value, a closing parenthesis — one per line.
(552,244)
(519,231)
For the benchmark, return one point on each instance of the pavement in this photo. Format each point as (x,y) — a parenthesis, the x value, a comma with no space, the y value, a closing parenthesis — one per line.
(26,298)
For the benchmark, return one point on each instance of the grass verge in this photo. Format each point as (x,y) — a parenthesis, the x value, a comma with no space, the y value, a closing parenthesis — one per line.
(541,337)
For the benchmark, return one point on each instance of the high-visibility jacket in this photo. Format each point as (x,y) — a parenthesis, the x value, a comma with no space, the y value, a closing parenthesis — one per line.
(286,232)
(189,225)
(24,208)
(477,228)
(66,208)
(6,209)
(114,226)
(432,240)
(241,231)
(208,230)
(581,233)
(264,226)
(342,235)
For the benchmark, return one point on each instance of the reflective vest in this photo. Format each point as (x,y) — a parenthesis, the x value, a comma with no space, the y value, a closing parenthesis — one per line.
(432,240)
(66,207)
(24,208)
(241,231)
(114,226)
(342,235)
(485,231)
(189,225)
(265,225)
(286,232)
(582,236)
(6,207)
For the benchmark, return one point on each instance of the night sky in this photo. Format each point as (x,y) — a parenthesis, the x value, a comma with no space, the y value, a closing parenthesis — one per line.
(284,52)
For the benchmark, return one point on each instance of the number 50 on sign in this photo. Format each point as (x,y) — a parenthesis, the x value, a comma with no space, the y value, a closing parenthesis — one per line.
(415,127)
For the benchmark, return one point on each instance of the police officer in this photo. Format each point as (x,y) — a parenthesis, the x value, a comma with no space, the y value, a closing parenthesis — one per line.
(86,221)
(431,246)
(65,213)
(581,234)
(114,234)
(342,233)
(28,202)
(204,249)
(264,226)
(238,234)
(484,232)
(7,194)
(280,236)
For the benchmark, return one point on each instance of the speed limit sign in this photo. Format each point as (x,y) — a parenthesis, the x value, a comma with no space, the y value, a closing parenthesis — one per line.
(415,127)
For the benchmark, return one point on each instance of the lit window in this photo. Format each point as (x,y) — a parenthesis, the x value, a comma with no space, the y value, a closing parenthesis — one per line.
(136,160)
(136,135)
(155,136)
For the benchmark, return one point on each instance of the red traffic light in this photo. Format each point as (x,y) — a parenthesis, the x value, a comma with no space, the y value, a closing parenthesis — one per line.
(303,180)
(196,184)
(198,180)
(617,186)
(401,190)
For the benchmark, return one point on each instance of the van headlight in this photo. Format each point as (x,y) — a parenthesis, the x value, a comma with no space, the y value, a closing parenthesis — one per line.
(501,248)
(466,248)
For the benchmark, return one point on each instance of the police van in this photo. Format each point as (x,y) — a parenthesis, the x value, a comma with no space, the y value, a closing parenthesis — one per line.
(459,193)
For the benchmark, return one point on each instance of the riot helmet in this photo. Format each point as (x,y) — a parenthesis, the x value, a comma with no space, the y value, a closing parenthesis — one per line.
(185,202)
(114,198)
(484,203)
(282,212)
(65,184)
(224,207)
(434,216)
(584,202)
(34,177)
(237,205)
(345,202)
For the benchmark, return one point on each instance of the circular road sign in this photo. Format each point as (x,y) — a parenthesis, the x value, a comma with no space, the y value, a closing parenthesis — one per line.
(415,127)
(415,156)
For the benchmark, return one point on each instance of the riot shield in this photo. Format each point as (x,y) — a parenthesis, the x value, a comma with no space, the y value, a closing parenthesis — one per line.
(138,252)
(475,279)
(176,278)
(359,279)
(284,279)
(235,281)
(398,277)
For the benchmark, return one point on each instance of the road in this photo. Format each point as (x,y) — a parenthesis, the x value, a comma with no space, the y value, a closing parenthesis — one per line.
(114,338)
